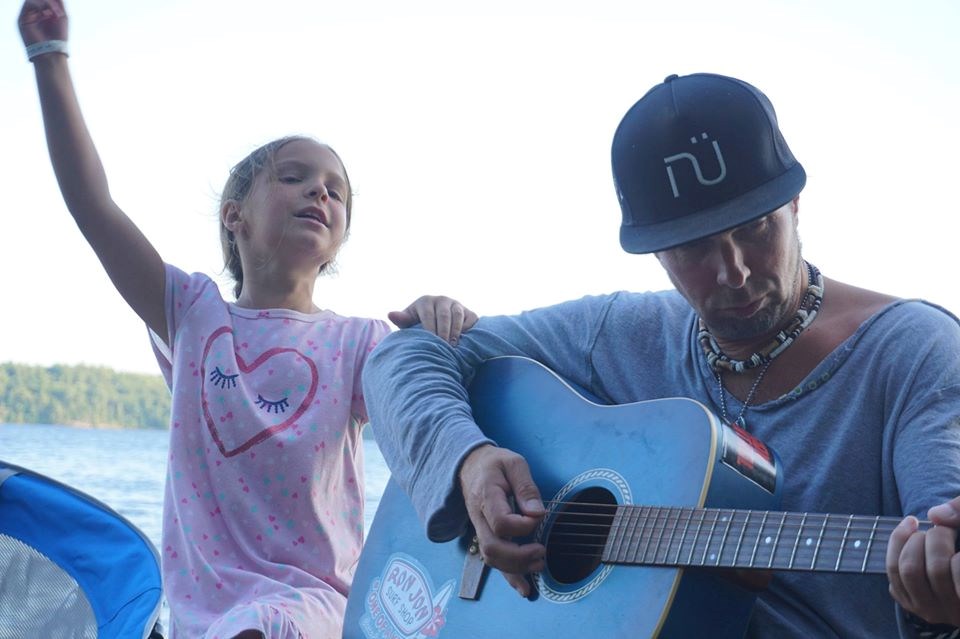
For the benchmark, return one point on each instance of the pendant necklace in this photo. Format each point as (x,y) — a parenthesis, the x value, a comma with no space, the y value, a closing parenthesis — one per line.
(739,421)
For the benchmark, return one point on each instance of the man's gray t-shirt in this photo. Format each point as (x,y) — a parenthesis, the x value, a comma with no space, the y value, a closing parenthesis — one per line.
(874,429)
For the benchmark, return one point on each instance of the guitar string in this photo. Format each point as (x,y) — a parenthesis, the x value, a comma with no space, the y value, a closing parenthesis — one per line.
(785,540)
(809,525)
(786,534)
(667,514)
(840,536)
(875,565)
(784,554)
(658,511)
(781,557)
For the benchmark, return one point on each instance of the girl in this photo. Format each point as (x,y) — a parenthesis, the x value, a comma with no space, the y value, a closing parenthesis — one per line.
(263,512)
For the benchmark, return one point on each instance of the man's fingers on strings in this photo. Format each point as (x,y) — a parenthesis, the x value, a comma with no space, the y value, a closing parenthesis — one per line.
(513,524)
(947,514)
(495,524)
(898,539)
(913,572)
(509,556)
(940,553)
(525,492)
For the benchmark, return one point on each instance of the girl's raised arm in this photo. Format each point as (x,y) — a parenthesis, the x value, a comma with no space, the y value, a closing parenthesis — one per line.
(130,260)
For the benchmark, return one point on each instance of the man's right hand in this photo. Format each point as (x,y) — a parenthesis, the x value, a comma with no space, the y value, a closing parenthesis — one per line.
(489,477)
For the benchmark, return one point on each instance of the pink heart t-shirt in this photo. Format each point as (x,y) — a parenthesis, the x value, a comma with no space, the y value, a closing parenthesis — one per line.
(263,512)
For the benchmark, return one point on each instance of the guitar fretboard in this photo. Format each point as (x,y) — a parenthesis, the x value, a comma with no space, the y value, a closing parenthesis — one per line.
(662,536)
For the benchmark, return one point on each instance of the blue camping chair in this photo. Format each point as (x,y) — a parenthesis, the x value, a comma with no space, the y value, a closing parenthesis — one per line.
(70,566)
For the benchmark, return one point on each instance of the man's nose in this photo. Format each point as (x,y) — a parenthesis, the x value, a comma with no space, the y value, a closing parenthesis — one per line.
(731,268)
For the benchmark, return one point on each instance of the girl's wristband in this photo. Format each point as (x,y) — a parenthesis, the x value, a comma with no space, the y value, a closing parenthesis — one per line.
(47,46)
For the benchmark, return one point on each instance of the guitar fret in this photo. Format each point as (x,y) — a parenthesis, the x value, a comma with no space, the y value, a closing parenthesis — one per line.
(654,528)
(796,542)
(622,532)
(630,556)
(743,532)
(866,554)
(673,519)
(683,535)
(660,531)
(843,543)
(776,539)
(696,537)
(616,546)
(723,540)
(643,535)
(629,532)
(611,549)
(608,546)
(639,535)
(706,546)
(816,549)
(756,545)
(648,537)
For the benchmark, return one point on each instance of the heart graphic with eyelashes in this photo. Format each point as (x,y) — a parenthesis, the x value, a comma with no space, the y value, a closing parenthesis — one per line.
(283,381)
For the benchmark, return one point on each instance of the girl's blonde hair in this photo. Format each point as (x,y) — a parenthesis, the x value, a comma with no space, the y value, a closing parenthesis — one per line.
(238,187)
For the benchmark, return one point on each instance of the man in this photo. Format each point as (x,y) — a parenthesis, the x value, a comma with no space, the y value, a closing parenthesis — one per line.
(857,391)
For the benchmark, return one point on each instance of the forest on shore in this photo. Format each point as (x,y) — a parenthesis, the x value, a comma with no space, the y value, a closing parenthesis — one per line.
(91,396)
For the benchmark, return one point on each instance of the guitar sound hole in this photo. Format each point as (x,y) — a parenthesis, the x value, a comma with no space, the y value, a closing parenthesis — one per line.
(576,538)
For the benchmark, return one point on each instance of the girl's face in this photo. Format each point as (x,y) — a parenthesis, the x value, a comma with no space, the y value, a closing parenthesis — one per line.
(296,210)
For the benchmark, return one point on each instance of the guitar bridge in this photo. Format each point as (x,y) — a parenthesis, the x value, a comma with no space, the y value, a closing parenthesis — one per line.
(474,571)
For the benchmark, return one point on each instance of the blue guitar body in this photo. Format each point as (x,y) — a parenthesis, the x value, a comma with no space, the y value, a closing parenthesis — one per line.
(663,453)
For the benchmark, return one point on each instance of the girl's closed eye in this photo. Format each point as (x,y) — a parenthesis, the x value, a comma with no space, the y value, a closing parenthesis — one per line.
(221,379)
(271,406)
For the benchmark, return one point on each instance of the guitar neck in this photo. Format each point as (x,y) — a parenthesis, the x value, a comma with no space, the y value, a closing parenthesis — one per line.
(706,537)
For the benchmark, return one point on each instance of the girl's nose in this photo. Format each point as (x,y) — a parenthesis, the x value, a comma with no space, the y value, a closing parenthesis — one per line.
(315,191)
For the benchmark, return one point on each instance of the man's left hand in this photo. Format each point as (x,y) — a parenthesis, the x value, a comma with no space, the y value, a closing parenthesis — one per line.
(924,566)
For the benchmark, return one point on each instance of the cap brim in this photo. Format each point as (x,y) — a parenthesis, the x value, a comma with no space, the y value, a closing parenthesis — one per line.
(749,206)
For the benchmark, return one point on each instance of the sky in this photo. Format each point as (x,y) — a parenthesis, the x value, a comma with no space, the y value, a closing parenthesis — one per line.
(477,141)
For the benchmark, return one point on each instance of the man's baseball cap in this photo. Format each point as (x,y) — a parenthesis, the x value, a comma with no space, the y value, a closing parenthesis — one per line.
(697,155)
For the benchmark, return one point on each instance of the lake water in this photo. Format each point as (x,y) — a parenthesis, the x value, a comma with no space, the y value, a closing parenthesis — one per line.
(125,469)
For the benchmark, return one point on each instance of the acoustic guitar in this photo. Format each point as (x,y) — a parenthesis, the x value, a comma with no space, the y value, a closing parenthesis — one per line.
(645,502)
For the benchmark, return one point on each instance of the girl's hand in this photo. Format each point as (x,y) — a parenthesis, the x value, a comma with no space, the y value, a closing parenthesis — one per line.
(42,20)
(443,316)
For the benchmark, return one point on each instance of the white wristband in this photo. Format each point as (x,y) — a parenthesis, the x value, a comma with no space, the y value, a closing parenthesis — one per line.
(47,46)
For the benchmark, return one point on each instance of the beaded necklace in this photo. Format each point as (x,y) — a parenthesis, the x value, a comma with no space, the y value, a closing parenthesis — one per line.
(720,362)
(809,307)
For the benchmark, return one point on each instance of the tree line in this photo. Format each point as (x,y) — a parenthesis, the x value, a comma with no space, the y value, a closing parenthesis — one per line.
(82,396)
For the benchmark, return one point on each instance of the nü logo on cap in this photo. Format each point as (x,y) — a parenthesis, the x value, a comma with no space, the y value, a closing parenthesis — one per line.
(697,155)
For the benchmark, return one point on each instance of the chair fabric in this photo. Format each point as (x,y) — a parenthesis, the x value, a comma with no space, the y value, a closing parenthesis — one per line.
(70,566)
